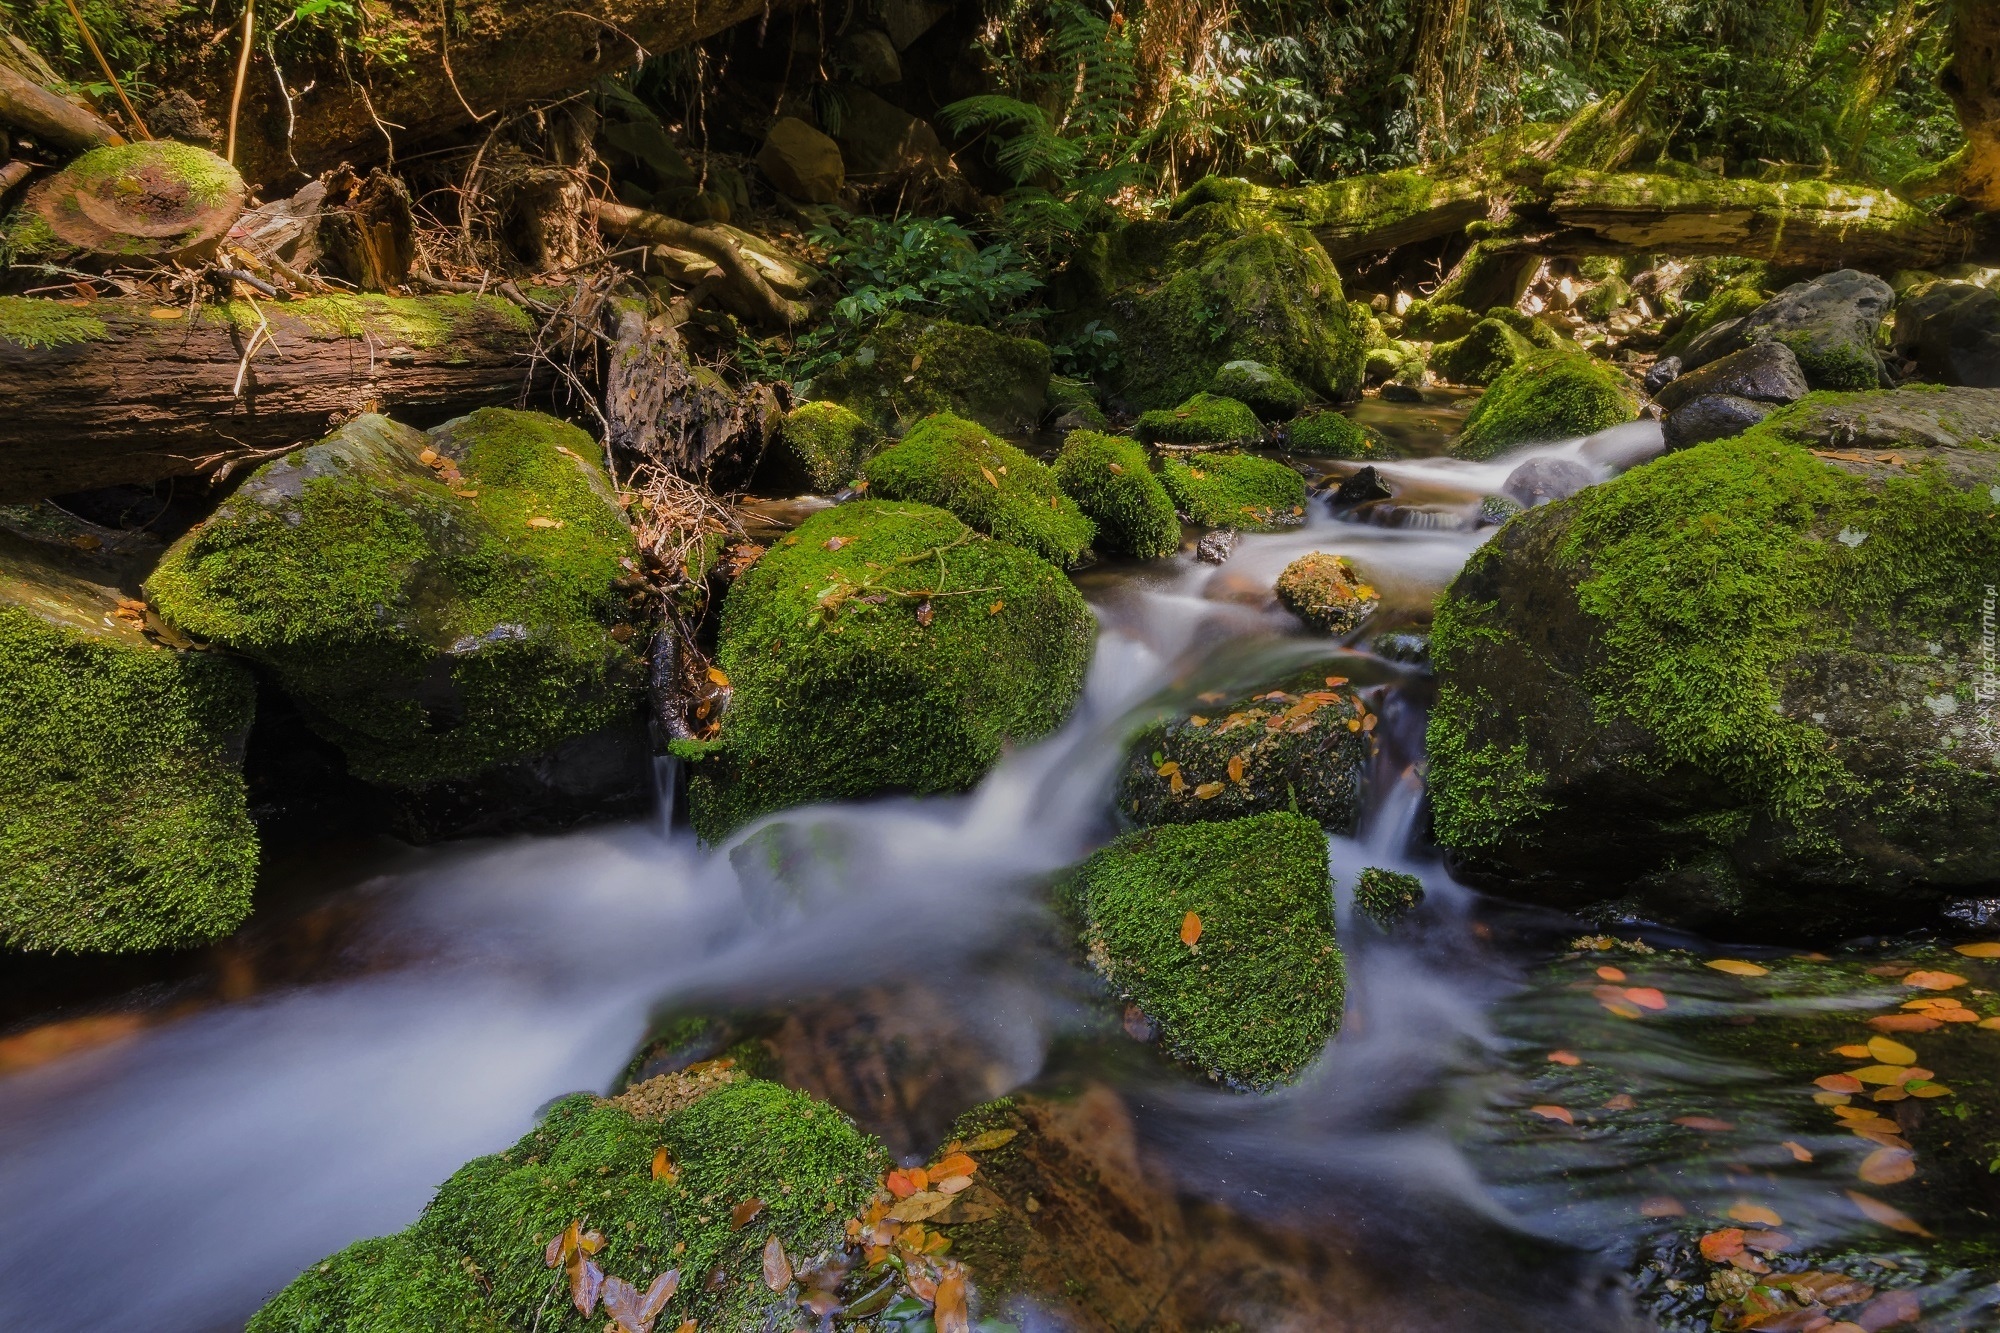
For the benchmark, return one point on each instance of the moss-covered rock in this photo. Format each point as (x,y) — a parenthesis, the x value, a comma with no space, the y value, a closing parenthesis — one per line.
(1387,896)
(1481,356)
(1257,994)
(1267,392)
(476,1259)
(1831,324)
(1327,592)
(1546,395)
(444,607)
(1729,303)
(1073,405)
(1112,481)
(911,368)
(1432,321)
(1333,434)
(123,822)
(1216,282)
(1301,746)
(1536,330)
(820,448)
(989,484)
(884,647)
(1745,694)
(1204,419)
(1236,491)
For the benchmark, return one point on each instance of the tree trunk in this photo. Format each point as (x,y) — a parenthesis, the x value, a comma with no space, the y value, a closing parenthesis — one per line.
(94,394)
(1972,81)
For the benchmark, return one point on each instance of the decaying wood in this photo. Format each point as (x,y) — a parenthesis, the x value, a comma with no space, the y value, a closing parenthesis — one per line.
(743,277)
(658,407)
(55,121)
(365,230)
(123,391)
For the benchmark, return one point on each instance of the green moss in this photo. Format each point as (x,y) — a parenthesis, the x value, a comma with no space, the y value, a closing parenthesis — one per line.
(1729,303)
(1075,401)
(28,321)
(1435,321)
(1832,365)
(826,445)
(1205,418)
(839,696)
(1537,331)
(1256,997)
(1112,481)
(1267,392)
(1327,592)
(1387,896)
(416,321)
(1482,355)
(1606,298)
(428,633)
(1235,491)
(592,1162)
(910,368)
(1546,395)
(1333,434)
(989,484)
(209,179)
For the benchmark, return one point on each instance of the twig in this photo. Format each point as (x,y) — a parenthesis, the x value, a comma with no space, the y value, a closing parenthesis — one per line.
(444,51)
(250,349)
(83,29)
(242,75)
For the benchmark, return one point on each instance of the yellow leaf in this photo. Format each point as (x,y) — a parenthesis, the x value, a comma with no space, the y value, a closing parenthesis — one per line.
(1883,1215)
(1169,769)
(1236,768)
(1736,967)
(988,474)
(1190,929)
(919,1206)
(1799,1152)
(1984,949)
(164,312)
(718,677)
(1888,1166)
(1755,1212)
(428,457)
(994,609)
(1884,1074)
(539,522)
(663,1166)
(991,1139)
(1854,1052)
(1197,720)
(1891,1052)
(1208,790)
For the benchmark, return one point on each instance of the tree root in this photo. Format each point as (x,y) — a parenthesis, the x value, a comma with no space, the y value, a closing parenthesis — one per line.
(740,277)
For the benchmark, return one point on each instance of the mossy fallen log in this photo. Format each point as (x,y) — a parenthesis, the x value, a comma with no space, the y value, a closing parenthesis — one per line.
(102,392)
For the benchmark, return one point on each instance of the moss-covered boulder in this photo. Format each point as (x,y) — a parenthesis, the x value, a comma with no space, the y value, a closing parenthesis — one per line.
(1073,405)
(884,647)
(1206,419)
(1267,392)
(1387,896)
(1831,324)
(1327,592)
(1301,746)
(1729,303)
(1436,321)
(1236,491)
(1219,280)
(1222,934)
(1739,686)
(821,448)
(990,485)
(123,823)
(1547,395)
(445,607)
(1112,481)
(1332,434)
(1481,356)
(911,368)
(695,1172)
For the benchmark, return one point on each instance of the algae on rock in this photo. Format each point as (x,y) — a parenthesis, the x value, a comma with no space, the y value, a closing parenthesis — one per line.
(1112,481)
(1236,491)
(1327,592)
(1547,395)
(883,647)
(910,368)
(1267,392)
(989,484)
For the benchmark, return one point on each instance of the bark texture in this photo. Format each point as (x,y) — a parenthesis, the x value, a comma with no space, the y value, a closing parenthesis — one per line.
(1972,81)
(98,393)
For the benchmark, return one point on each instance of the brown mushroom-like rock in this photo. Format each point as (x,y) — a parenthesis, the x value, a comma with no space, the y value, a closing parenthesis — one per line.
(1327,592)
(159,198)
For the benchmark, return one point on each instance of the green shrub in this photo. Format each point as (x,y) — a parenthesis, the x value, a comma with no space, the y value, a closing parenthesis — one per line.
(1112,481)
(989,484)
(1235,491)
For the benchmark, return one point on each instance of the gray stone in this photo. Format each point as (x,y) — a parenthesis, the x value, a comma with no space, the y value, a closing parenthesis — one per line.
(1662,373)
(1952,331)
(1716,417)
(1215,547)
(1363,486)
(1762,372)
(1540,480)
(870,56)
(1717,340)
(1830,323)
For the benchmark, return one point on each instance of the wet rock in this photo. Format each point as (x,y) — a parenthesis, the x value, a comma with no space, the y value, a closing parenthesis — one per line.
(1402,646)
(909,368)
(1206,419)
(1327,592)
(1763,372)
(870,56)
(1830,323)
(1731,303)
(1112,481)
(1497,509)
(802,162)
(1297,752)
(1215,547)
(411,590)
(1717,416)
(1235,491)
(1267,392)
(1718,340)
(1662,374)
(1386,897)
(1363,486)
(1787,748)
(848,681)
(1396,391)
(1547,395)
(1952,331)
(1540,480)
(987,483)
(1221,933)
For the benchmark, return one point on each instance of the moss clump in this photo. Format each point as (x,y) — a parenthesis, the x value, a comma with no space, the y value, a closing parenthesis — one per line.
(1236,491)
(1433,321)
(1301,746)
(1537,331)
(1546,395)
(823,447)
(1255,998)
(1327,592)
(910,368)
(591,1162)
(1073,405)
(419,322)
(990,485)
(1729,303)
(28,321)
(1205,418)
(1387,896)
(433,620)
(1333,434)
(1482,355)
(1267,392)
(972,645)
(208,179)
(1112,481)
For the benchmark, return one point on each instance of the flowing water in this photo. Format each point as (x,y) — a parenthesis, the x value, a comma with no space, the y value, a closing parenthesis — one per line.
(174,1178)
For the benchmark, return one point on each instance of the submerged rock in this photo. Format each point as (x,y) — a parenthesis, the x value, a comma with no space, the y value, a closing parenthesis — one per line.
(1236,491)
(1327,592)
(1547,395)
(1302,746)
(909,368)
(1112,481)
(989,484)
(883,647)
(1830,323)
(122,807)
(1205,419)
(1222,934)
(1952,331)
(1387,896)
(1267,392)
(1743,695)
(447,608)
(820,448)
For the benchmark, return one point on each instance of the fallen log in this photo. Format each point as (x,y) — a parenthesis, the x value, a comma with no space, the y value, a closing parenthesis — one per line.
(96,393)
(60,124)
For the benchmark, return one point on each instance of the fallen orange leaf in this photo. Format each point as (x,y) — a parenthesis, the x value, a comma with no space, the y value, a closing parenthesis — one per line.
(1888,1166)
(950,1312)
(1838,1083)
(1661,1205)
(1852,1052)
(1883,1215)
(1622,1102)
(1891,1052)
(1719,1245)
(1646,997)
(1236,768)
(1934,980)
(1903,1023)
(1554,1113)
(1746,1211)
(957,1164)
(1703,1122)
(1563,1058)
(663,1166)
(777,1267)
(1208,791)
(1610,973)
(1737,967)
(1190,929)
(1984,949)
(900,1184)
(1799,1152)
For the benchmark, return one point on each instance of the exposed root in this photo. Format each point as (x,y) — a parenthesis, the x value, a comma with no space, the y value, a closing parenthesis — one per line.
(739,273)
